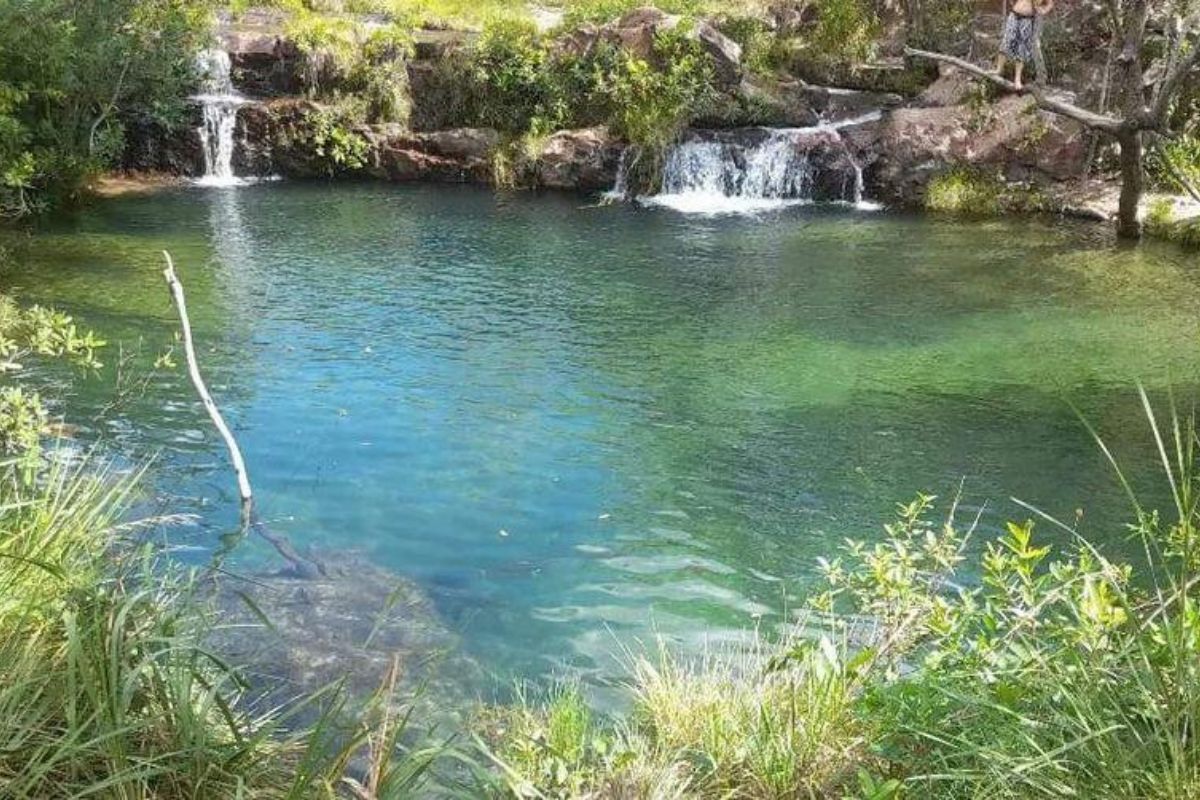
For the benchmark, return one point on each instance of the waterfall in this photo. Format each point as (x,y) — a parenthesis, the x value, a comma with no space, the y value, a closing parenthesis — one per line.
(219,104)
(756,169)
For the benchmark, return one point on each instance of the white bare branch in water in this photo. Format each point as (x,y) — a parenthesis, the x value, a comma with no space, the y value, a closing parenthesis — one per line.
(214,413)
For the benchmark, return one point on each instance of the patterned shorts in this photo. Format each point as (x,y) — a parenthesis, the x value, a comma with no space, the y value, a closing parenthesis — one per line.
(1018,37)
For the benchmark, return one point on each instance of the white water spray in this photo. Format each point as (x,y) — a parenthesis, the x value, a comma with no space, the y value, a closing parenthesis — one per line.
(219,103)
(722,172)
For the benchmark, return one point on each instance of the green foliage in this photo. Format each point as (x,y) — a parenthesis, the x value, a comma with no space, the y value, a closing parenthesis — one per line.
(944,26)
(763,50)
(964,191)
(327,133)
(522,86)
(73,73)
(970,192)
(653,102)
(845,31)
(1177,158)
(22,421)
(41,332)
(1160,222)
(601,11)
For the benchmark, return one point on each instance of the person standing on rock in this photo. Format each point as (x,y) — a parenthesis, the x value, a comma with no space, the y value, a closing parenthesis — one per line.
(1022,28)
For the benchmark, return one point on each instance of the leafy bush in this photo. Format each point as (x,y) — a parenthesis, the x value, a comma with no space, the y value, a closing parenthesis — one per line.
(845,31)
(72,74)
(1175,159)
(964,191)
(1161,222)
(332,140)
(652,102)
(601,11)
(763,50)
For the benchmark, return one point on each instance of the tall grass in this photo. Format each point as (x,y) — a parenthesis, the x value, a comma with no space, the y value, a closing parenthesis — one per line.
(106,689)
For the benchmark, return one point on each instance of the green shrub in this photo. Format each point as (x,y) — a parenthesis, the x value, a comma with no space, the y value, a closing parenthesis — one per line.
(1160,222)
(1175,159)
(601,11)
(845,31)
(763,50)
(966,192)
(329,47)
(334,142)
(653,102)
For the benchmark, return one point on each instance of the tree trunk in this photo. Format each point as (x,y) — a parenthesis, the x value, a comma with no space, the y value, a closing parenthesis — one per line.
(1128,226)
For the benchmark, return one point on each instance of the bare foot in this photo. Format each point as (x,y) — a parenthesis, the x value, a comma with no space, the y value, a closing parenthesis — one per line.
(1018,84)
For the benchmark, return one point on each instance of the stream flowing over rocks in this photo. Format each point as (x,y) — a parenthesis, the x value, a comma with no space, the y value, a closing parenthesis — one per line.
(811,143)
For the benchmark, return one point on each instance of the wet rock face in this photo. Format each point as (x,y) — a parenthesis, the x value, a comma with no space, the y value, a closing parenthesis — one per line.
(453,156)
(264,64)
(151,146)
(583,159)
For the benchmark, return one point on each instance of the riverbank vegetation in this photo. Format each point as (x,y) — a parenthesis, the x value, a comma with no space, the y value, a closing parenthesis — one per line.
(920,671)
(109,686)
(72,92)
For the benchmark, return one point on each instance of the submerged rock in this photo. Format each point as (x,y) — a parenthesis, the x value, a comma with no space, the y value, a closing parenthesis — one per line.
(293,637)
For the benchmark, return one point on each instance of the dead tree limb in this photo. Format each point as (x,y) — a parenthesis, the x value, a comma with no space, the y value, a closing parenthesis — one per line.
(300,566)
(1100,122)
(214,413)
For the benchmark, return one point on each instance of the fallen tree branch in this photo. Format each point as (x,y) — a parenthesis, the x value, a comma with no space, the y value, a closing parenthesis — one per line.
(214,413)
(1100,122)
(301,566)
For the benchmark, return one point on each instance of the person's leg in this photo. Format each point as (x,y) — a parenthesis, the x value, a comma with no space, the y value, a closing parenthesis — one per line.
(1039,59)
(1000,64)
(1018,68)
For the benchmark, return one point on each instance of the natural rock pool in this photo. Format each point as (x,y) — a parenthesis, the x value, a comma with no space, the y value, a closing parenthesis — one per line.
(575,425)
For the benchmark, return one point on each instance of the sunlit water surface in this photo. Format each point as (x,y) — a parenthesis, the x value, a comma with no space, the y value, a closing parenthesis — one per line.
(578,426)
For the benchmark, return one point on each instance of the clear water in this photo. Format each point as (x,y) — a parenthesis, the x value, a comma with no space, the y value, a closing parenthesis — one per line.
(576,426)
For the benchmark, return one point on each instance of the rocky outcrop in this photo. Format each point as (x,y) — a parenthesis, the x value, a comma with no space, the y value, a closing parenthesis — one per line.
(1010,138)
(452,156)
(585,159)
(151,146)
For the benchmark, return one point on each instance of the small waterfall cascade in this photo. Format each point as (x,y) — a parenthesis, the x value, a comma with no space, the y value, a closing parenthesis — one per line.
(219,103)
(756,169)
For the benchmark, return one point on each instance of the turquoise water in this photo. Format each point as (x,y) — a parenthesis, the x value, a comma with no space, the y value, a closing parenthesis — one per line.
(577,426)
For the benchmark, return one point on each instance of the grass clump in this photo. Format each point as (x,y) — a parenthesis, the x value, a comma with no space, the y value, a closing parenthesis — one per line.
(1161,222)
(729,725)
(966,192)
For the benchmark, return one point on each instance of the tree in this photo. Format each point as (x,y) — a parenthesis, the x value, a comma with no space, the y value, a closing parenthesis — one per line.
(1145,97)
(72,72)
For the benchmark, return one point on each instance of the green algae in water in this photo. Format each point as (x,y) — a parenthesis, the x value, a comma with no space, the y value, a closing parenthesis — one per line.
(575,426)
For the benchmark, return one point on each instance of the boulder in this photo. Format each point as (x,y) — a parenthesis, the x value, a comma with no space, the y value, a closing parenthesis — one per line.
(726,54)
(455,156)
(636,31)
(953,87)
(350,626)
(1011,138)
(578,159)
